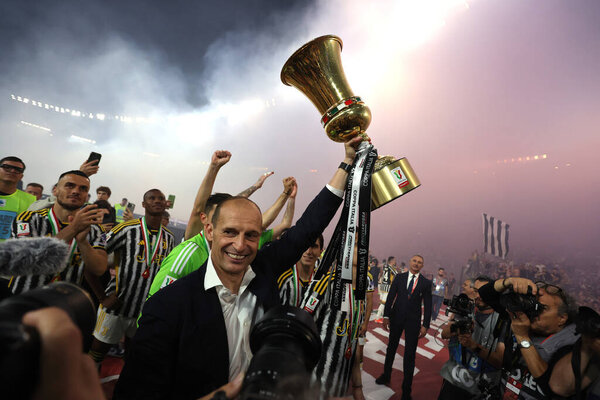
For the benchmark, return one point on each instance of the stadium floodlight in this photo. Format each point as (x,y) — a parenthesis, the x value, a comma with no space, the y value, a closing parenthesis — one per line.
(43,128)
(100,117)
(83,139)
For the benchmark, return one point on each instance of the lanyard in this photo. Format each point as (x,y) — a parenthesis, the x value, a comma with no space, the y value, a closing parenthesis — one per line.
(55,226)
(414,285)
(149,250)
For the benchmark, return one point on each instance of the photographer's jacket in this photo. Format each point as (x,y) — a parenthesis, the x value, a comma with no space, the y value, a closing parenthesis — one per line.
(180,350)
(519,383)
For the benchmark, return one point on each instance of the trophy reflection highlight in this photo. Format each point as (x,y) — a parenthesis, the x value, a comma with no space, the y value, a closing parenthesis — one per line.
(316,70)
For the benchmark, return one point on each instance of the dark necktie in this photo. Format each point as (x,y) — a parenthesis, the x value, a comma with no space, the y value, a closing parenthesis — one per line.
(410,285)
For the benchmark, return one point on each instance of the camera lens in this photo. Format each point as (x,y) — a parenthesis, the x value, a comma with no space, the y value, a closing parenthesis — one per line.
(286,348)
(20,345)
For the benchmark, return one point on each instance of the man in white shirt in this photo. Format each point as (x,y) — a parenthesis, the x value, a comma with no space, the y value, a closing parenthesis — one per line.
(193,334)
(403,313)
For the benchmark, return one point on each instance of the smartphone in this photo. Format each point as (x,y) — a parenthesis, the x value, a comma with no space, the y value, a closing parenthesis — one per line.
(131,207)
(171,199)
(94,157)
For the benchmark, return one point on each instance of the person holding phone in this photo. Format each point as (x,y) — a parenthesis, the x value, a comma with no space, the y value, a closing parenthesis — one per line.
(74,222)
(120,209)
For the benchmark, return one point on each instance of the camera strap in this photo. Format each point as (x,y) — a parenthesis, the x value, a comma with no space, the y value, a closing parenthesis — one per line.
(576,365)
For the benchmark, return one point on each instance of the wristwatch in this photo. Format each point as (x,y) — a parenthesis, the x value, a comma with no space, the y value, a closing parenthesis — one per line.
(345,167)
(525,344)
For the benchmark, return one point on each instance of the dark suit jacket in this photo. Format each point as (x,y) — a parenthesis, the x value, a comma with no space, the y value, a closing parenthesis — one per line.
(402,310)
(180,349)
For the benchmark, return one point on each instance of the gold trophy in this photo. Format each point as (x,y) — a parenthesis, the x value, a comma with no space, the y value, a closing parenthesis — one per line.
(316,70)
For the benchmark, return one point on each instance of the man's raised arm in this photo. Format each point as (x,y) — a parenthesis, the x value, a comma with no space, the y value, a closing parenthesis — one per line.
(248,192)
(218,159)
(269,216)
(314,220)
(288,215)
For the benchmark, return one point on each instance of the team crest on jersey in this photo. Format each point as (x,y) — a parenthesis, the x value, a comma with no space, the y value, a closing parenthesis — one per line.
(2,202)
(103,239)
(311,304)
(23,229)
(168,280)
(343,329)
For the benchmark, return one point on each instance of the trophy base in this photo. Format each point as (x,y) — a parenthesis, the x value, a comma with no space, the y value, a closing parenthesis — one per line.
(391,179)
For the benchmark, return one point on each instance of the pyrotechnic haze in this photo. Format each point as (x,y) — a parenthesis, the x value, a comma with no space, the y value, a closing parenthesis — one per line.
(466,90)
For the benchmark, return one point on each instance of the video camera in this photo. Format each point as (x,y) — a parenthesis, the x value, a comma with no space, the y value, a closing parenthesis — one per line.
(525,303)
(20,345)
(286,347)
(463,308)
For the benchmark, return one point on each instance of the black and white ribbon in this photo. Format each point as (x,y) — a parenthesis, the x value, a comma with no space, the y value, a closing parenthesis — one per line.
(353,228)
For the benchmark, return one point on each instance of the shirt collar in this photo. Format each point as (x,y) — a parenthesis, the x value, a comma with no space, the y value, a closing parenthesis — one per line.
(211,279)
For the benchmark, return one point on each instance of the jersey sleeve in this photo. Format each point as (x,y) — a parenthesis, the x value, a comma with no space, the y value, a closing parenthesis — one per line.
(97,237)
(181,261)
(24,225)
(265,237)
(116,238)
(370,283)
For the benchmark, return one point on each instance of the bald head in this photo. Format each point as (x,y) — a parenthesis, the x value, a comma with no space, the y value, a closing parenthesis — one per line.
(236,203)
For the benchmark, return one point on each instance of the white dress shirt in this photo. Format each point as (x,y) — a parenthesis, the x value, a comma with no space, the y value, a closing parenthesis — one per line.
(410,275)
(238,311)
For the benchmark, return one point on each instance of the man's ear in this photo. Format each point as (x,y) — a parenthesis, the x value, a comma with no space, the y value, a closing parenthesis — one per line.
(204,218)
(563,319)
(208,230)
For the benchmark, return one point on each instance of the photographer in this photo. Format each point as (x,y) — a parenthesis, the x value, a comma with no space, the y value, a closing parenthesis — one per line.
(577,373)
(539,317)
(475,355)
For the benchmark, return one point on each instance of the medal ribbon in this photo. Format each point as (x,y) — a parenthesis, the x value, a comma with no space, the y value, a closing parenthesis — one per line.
(355,308)
(356,212)
(55,226)
(148,248)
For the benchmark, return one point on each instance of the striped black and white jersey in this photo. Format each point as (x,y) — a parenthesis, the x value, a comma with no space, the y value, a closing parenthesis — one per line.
(339,334)
(133,275)
(37,224)
(291,287)
(388,273)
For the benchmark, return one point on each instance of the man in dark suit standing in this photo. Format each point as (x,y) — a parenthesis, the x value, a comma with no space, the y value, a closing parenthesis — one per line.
(403,313)
(193,335)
